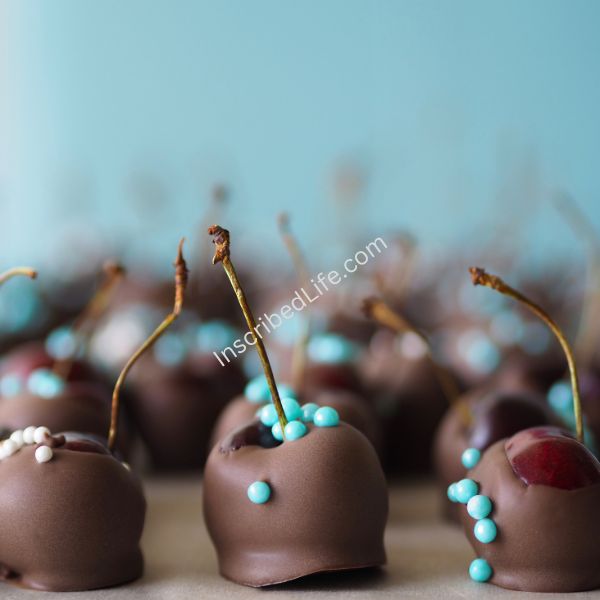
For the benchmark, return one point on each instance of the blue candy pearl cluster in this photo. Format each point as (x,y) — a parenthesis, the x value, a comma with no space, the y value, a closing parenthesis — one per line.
(479,507)
(259,492)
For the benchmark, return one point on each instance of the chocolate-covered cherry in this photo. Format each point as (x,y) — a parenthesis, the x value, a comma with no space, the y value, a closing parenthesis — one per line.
(72,514)
(544,489)
(531,512)
(322,487)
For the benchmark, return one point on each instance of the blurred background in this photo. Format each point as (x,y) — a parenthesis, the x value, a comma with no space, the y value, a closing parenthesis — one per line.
(446,119)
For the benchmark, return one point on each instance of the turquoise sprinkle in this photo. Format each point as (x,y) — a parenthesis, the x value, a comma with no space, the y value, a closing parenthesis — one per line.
(451,492)
(10,385)
(259,492)
(61,343)
(482,355)
(291,408)
(479,507)
(294,430)
(308,412)
(170,350)
(326,417)
(45,383)
(470,457)
(257,390)
(214,335)
(480,570)
(485,531)
(465,489)
(560,398)
(268,415)
(331,348)
(276,431)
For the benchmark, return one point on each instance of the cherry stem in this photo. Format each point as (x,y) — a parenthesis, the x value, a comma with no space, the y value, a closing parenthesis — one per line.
(480,277)
(300,348)
(221,242)
(87,320)
(181,279)
(376,309)
(15,271)
(585,342)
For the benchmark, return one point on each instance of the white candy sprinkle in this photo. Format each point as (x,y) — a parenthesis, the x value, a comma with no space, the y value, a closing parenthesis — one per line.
(28,434)
(43,454)
(9,448)
(39,435)
(126,465)
(17,437)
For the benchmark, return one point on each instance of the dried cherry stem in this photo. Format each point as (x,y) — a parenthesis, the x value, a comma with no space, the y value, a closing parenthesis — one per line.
(221,242)
(299,356)
(87,320)
(480,277)
(587,334)
(181,279)
(15,271)
(376,309)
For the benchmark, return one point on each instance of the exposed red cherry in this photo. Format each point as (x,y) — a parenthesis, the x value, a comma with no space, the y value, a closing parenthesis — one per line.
(551,456)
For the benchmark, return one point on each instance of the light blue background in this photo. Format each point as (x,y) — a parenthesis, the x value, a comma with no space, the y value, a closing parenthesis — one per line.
(461,113)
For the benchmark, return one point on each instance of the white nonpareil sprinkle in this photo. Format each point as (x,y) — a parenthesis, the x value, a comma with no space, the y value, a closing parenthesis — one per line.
(28,433)
(17,437)
(39,435)
(43,454)
(9,448)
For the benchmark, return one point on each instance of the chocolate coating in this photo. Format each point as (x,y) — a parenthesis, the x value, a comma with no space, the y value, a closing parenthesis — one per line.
(327,511)
(547,537)
(73,523)
(496,415)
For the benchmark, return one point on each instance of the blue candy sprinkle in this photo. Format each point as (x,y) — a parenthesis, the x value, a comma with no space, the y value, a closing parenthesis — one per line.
(276,431)
(45,383)
(10,385)
(470,457)
(268,415)
(214,334)
(331,348)
(61,343)
(451,492)
(485,531)
(257,390)
(560,398)
(291,408)
(480,570)
(465,490)
(308,412)
(294,430)
(170,350)
(259,492)
(326,417)
(479,507)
